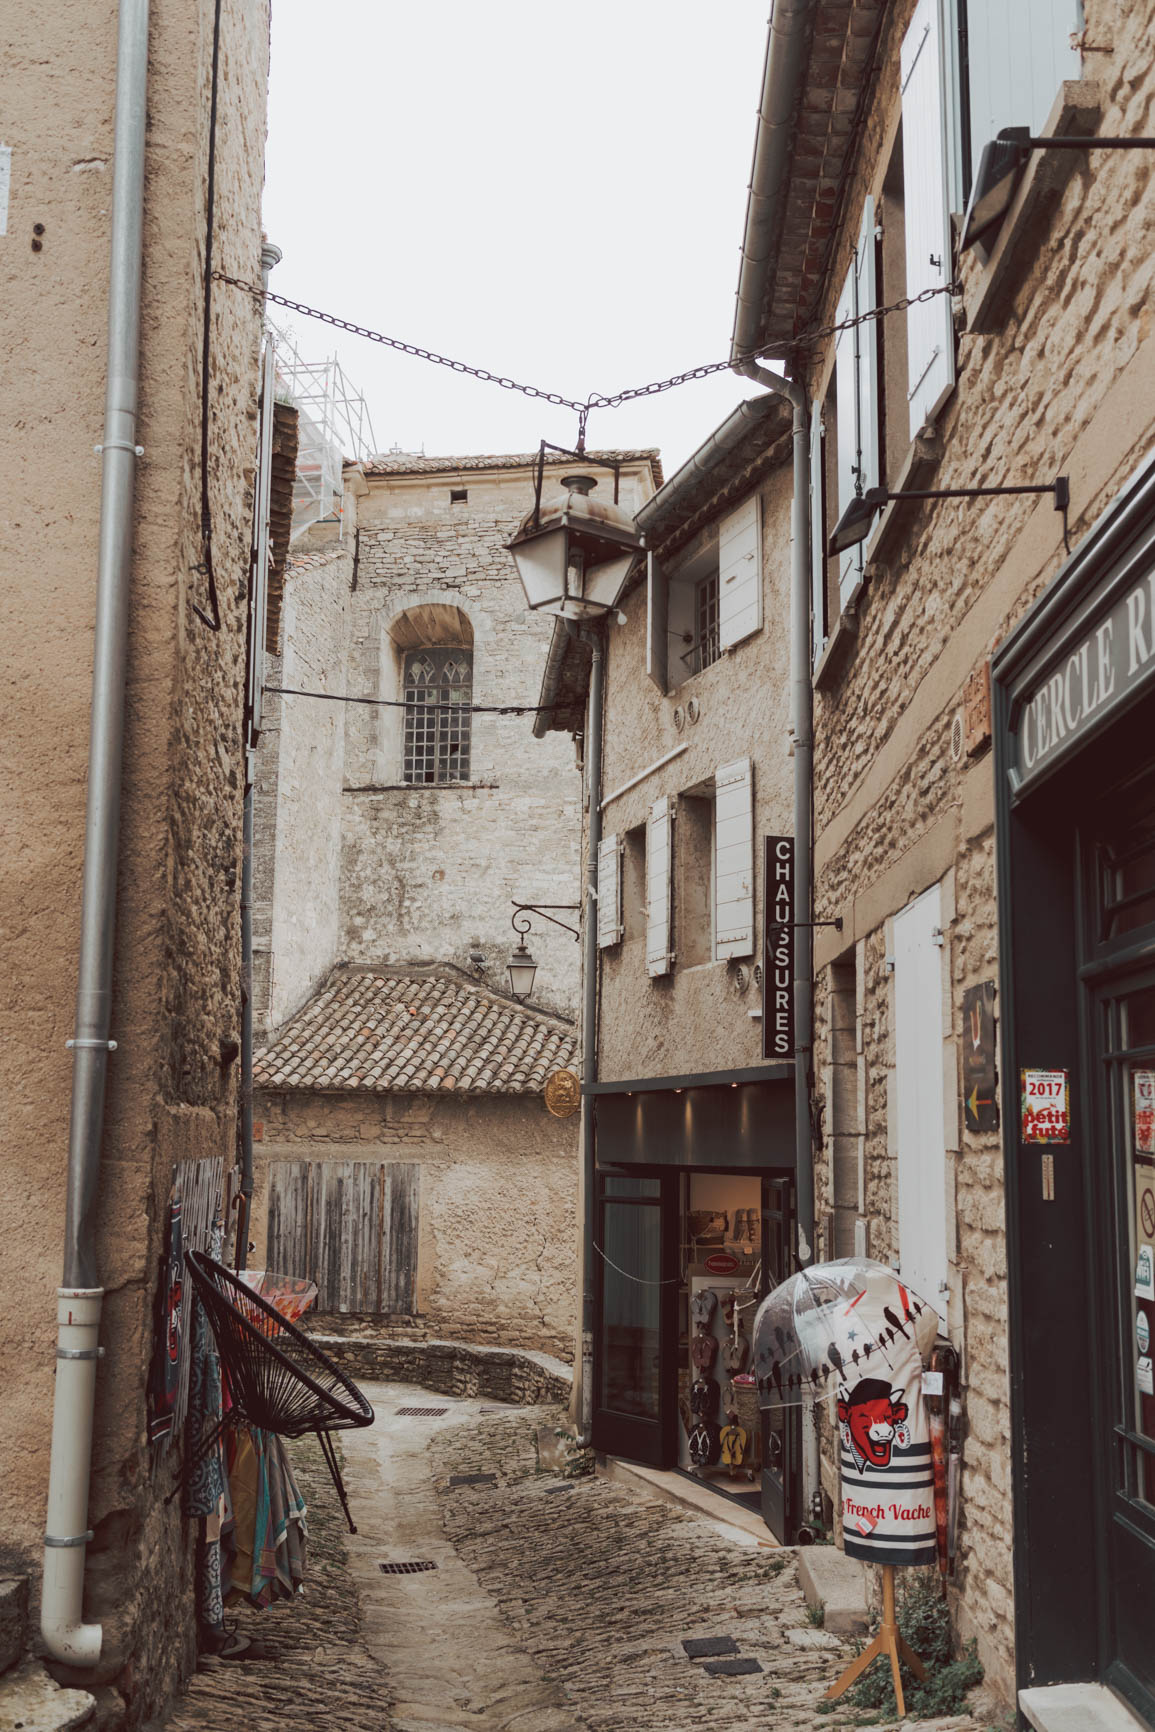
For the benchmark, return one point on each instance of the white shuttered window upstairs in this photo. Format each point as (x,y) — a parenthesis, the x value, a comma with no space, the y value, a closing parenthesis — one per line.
(1017,57)
(734,860)
(609,892)
(657,624)
(659,886)
(856,394)
(926,153)
(817,535)
(739,574)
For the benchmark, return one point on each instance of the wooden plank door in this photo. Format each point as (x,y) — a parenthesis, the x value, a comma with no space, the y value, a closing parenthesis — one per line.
(350,1226)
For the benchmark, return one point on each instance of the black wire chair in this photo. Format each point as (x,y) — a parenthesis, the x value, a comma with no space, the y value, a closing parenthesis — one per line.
(278,1379)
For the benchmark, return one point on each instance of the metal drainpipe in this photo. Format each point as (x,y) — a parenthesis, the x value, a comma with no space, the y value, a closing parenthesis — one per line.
(259,578)
(802,728)
(66,1538)
(584,1402)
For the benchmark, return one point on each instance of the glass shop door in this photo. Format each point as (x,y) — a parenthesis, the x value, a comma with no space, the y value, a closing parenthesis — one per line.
(781,1429)
(636,1322)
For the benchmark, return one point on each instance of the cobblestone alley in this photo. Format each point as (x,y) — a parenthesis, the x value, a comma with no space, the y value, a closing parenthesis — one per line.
(552,1606)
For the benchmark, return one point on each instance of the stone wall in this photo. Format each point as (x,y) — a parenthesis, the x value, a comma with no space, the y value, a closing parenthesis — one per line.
(171,1091)
(698,1017)
(297,788)
(1064,385)
(498,1186)
(426,870)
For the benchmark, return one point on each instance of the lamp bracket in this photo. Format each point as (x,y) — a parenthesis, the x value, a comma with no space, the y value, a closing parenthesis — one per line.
(583,456)
(522,924)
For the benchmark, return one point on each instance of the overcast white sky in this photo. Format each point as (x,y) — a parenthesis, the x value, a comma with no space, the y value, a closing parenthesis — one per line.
(555,193)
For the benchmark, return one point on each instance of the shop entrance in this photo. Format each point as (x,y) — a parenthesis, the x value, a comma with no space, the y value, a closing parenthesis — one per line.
(1119,875)
(684,1258)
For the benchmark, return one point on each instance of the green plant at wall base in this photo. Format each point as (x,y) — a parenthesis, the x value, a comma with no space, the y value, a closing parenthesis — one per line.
(816,1615)
(924,1620)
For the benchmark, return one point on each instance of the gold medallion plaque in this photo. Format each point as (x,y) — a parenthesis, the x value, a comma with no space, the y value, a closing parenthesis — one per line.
(563,1093)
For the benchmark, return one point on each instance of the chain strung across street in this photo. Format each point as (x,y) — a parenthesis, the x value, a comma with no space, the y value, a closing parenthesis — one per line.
(805,339)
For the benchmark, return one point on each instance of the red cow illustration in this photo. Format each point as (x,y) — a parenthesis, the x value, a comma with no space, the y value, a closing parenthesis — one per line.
(872,1417)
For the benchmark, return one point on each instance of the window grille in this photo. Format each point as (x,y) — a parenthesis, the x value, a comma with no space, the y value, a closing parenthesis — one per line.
(438,693)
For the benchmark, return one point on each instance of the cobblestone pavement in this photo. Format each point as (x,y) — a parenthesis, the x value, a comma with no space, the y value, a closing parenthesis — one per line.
(553,1606)
(308,1666)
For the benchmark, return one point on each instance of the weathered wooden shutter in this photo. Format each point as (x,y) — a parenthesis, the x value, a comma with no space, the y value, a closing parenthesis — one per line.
(817,534)
(609,892)
(925,155)
(734,860)
(739,574)
(1017,57)
(350,1226)
(657,623)
(846,412)
(920,1097)
(660,886)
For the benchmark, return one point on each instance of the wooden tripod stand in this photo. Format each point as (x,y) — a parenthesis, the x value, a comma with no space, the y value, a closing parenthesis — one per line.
(889,1640)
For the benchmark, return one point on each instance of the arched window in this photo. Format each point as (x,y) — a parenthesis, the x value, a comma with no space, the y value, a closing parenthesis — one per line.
(438,692)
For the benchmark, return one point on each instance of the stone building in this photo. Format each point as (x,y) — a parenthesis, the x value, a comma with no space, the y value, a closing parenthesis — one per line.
(692,1122)
(979,889)
(175,993)
(393,837)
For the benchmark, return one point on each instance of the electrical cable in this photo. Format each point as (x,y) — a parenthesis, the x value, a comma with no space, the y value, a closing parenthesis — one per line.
(401,704)
(205,569)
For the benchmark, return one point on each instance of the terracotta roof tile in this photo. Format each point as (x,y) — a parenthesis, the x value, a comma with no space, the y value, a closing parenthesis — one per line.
(385,1032)
(406,463)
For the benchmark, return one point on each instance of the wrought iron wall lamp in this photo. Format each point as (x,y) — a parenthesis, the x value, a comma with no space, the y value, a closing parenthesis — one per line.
(522,964)
(854,524)
(1001,168)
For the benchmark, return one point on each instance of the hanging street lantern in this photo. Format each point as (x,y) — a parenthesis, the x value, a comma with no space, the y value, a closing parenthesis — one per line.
(573,553)
(522,969)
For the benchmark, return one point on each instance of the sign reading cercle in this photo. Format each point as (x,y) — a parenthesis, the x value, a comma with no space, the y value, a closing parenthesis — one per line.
(1105,668)
(563,1093)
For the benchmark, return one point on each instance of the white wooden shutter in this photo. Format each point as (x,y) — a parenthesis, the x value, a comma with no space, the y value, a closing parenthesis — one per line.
(734,860)
(866,346)
(739,574)
(926,152)
(817,535)
(659,886)
(609,892)
(920,1097)
(657,623)
(1017,55)
(846,411)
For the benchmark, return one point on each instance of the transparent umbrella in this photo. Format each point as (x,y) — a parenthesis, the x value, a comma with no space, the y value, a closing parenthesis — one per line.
(833,1324)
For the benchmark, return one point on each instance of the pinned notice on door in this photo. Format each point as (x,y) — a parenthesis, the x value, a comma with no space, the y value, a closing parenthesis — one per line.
(1143,1375)
(1145,1273)
(1046,1106)
(1143,1083)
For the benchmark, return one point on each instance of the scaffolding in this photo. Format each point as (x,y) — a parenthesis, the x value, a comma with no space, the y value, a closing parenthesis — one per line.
(334,429)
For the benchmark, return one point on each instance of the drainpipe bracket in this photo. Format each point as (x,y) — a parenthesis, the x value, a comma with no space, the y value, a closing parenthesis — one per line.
(73,1540)
(103,1045)
(119,445)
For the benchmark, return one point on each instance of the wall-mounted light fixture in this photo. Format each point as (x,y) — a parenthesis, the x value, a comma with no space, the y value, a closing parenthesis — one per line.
(1001,168)
(522,965)
(855,523)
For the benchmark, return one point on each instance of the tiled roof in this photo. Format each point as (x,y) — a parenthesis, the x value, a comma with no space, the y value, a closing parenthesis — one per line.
(385,1032)
(404,463)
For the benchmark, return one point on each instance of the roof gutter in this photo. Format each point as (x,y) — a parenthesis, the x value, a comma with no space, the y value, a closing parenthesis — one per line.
(708,456)
(787,52)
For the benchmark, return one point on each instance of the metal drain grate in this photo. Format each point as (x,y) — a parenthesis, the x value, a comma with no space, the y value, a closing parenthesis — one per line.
(473,1479)
(422,1412)
(415,1568)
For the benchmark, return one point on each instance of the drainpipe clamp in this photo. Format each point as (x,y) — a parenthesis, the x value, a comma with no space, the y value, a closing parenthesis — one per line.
(74,1540)
(119,445)
(80,1353)
(106,1045)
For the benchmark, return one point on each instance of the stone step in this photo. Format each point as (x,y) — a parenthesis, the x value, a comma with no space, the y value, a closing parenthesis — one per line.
(1078,1708)
(13,1619)
(34,1702)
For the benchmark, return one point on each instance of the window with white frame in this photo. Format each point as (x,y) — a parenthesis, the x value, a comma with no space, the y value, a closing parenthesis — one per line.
(438,686)
(705,603)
